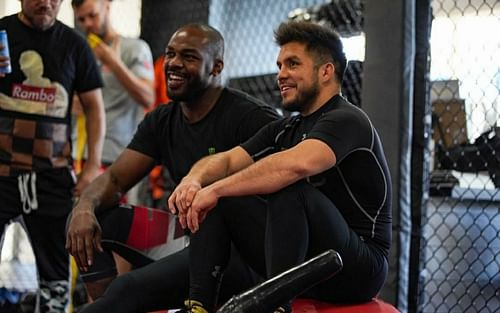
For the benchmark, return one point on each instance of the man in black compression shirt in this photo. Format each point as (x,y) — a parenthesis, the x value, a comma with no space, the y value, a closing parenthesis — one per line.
(203,118)
(323,173)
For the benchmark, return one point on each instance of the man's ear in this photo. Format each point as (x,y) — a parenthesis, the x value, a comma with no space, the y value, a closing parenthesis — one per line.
(217,68)
(327,71)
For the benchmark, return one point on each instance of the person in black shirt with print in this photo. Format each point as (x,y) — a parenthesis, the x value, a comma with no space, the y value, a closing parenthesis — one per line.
(50,63)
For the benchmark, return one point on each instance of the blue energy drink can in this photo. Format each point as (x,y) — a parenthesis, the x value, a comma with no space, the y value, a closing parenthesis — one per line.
(4,51)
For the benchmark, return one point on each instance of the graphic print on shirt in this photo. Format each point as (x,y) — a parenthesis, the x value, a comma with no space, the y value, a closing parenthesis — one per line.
(36,94)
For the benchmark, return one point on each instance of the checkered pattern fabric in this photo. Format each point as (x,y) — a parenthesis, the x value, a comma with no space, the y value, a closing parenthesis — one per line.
(30,145)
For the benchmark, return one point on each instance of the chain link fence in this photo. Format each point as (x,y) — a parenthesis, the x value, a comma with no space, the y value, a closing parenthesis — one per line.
(460,253)
(461,228)
(251,52)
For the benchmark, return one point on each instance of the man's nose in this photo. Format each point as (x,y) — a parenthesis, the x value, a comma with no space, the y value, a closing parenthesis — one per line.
(282,74)
(174,61)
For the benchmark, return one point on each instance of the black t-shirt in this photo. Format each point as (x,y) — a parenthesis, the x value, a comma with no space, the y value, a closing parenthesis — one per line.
(35,99)
(166,136)
(67,59)
(359,184)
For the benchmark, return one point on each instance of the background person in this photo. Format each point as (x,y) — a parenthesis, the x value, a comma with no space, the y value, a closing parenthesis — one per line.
(126,66)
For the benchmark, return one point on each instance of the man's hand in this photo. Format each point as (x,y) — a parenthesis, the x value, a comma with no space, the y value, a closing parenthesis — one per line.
(181,198)
(4,61)
(84,234)
(88,174)
(106,54)
(204,201)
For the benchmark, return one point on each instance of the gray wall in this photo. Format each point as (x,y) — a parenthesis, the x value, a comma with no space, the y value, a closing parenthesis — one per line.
(248,28)
(387,98)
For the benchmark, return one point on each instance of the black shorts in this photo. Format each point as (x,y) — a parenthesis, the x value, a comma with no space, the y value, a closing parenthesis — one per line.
(139,234)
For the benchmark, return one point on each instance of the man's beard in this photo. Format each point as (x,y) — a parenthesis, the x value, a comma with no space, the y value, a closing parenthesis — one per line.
(39,25)
(304,99)
(193,90)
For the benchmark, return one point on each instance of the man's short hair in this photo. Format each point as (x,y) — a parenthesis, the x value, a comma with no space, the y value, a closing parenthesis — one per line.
(77,3)
(322,42)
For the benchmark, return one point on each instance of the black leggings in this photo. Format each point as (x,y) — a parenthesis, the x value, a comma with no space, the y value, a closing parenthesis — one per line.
(164,284)
(240,220)
(300,222)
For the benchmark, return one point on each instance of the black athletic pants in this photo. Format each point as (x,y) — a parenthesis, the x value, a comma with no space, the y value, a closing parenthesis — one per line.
(164,284)
(299,222)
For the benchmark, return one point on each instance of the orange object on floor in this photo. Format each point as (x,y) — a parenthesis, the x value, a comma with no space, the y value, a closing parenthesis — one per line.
(313,306)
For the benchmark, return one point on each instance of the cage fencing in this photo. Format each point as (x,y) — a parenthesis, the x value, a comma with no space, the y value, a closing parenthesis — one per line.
(461,244)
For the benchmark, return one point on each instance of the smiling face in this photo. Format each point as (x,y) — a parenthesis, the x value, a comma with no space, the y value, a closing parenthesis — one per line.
(93,16)
(189,64)
(40,15)
(298,79)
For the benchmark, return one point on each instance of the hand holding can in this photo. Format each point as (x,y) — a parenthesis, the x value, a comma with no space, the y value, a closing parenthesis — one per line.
(5,67)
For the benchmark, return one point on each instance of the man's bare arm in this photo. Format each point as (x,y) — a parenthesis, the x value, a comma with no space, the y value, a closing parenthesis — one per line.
(268,175)
(93,108)
(84,232)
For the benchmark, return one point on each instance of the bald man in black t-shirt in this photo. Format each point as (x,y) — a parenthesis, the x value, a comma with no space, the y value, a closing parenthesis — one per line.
(203,118)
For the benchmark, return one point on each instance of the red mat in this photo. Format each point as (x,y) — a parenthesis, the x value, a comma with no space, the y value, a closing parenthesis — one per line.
(313,306)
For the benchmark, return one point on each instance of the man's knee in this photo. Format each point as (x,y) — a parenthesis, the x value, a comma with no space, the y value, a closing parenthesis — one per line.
(110,286)
(300,192)
(291,193)
(123,289)
(120,296)
(96,289)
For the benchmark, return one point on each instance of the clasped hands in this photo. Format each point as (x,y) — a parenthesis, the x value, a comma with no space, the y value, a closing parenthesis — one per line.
(192,203)
(4,61)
